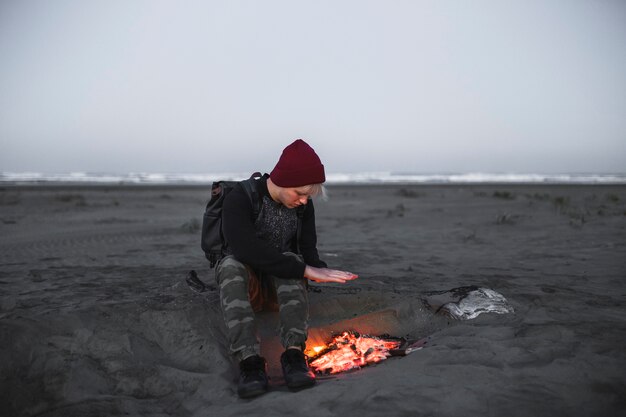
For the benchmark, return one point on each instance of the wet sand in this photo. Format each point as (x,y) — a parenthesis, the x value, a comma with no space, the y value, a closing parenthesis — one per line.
(96,318)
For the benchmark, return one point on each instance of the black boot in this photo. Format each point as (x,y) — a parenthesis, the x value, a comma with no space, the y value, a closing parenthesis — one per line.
(296,370)
(253,377)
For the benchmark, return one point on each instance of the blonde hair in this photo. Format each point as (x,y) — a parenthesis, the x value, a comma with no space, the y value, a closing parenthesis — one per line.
(317,190)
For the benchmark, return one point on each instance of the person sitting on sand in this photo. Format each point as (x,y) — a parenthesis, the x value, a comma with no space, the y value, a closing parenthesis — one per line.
(260,256)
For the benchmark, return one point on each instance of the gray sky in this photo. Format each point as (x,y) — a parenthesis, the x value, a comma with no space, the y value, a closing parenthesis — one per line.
(209,86)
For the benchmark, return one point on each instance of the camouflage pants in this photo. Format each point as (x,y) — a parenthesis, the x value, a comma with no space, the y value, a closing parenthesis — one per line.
(232,279)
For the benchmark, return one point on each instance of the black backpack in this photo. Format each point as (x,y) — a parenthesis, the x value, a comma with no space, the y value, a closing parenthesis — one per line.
(212,240)
(212,236)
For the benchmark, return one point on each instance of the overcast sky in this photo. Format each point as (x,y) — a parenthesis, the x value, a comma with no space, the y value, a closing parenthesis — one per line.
(209,86)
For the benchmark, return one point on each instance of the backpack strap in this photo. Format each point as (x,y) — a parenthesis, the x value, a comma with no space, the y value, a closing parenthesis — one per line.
(249,186)
(253,196)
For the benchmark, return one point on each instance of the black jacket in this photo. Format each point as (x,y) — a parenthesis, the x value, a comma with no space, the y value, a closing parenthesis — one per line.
(243,242)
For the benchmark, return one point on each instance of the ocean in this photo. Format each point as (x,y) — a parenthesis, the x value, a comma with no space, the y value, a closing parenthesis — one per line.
(8,178)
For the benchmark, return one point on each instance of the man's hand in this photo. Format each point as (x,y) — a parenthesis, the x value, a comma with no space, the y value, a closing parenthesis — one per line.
(328,275)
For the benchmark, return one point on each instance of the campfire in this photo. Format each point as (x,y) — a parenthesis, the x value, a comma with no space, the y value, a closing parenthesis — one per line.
(351,350)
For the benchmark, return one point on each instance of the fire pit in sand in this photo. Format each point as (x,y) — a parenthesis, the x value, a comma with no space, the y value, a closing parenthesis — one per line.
(351,350)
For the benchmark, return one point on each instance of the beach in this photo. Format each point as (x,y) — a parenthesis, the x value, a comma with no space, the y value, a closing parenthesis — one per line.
(97,319)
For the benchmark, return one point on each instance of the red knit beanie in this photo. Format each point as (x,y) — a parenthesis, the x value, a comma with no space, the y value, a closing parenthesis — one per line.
(298,165)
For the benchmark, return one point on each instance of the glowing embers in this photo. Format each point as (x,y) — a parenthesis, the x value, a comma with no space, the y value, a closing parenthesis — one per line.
(351,350)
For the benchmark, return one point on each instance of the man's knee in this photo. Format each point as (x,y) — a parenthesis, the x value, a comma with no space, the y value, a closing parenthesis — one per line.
(230,270)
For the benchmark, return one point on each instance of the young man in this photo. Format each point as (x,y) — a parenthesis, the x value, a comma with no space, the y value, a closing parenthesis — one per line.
(263,251)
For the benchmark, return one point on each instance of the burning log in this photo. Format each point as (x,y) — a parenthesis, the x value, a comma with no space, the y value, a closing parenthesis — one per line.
(350,350)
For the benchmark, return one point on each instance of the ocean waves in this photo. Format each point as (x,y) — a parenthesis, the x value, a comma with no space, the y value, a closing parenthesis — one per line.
(332,178)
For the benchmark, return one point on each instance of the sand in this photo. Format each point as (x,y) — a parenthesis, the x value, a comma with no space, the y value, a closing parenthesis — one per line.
(96,318)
